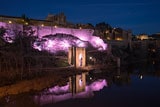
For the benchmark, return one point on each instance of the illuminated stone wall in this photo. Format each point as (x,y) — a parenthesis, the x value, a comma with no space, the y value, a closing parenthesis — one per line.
(41,31)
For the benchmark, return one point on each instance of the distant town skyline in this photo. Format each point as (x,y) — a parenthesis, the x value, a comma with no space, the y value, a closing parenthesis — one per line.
(141,16)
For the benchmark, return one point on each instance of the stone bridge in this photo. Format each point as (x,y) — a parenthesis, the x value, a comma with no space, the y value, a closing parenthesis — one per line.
(40,31)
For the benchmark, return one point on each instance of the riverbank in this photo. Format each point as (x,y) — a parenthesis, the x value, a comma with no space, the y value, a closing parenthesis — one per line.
(52,77)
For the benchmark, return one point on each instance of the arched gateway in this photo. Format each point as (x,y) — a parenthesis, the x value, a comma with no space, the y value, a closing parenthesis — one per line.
(77,56)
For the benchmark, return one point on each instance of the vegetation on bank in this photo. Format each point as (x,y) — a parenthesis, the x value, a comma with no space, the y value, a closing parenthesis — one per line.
(19,61)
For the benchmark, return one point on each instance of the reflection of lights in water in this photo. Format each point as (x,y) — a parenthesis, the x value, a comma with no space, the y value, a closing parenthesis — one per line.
(7,99)
(153,62)
(141,76)
(57,93)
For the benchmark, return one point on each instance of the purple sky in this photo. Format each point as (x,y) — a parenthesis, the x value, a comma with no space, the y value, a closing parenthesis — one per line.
(141,16)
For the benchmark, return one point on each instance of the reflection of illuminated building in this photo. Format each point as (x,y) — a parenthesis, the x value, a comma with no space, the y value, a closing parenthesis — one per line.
(77,85)
(121,78)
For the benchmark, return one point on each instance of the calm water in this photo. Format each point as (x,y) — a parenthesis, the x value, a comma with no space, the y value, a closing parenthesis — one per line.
(135,86)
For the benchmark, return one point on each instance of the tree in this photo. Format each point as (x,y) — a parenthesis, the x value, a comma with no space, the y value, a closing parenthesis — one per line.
(25,19)
(2,31)
(25,38)
(90,26)
(102,27)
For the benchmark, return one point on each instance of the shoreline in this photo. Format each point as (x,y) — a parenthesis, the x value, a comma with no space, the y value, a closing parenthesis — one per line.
(39,83)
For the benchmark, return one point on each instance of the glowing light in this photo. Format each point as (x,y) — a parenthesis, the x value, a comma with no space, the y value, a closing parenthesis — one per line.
(107,31)
(42,25)
(141,76)
(9,22)
(153,62)
(90,58)
(119,39)
(26,23)
(55,26)
(108,38)
(153,50)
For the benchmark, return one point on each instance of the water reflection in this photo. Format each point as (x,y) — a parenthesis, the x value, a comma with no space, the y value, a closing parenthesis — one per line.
(77,87)
(127,87)
(150,67)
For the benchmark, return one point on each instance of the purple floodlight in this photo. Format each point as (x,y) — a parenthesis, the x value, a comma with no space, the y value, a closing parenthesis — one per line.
(57,93)
(84,35)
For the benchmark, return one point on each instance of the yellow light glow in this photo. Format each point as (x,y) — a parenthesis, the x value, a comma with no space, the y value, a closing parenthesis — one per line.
(26,23)
(107,31)
(108,38)
(9,21)
(42,25)
(119,39)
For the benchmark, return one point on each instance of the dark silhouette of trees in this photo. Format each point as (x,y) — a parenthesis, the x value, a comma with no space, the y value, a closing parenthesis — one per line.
(102,27)
(26,19)
(2,31)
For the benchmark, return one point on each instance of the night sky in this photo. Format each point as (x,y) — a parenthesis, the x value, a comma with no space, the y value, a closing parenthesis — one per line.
(141,16)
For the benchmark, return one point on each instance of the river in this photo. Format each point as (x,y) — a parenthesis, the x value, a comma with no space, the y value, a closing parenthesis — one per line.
(137,85)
